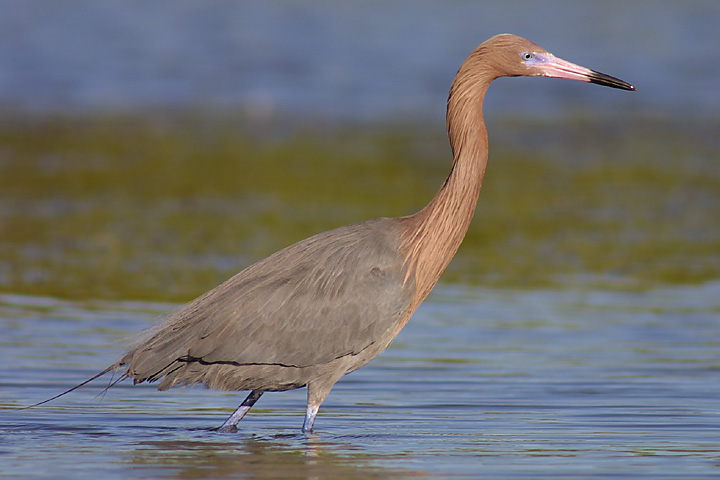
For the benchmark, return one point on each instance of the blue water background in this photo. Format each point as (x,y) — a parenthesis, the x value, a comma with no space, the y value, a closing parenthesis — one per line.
(365,61)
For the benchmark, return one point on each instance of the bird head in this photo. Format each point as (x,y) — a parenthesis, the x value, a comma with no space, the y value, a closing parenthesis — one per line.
(515,56)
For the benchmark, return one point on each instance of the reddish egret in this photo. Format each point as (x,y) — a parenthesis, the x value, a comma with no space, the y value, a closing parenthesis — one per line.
(324,307)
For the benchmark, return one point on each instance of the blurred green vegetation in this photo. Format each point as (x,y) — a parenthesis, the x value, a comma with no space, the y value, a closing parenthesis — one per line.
(166,206)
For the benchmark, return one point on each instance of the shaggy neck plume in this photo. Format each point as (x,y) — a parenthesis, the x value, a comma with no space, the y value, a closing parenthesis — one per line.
(433,235)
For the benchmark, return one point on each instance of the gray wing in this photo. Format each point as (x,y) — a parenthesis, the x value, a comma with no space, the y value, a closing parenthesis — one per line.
(325,297)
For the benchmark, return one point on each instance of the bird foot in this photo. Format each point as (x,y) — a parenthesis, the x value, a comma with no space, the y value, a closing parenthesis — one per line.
(227,429)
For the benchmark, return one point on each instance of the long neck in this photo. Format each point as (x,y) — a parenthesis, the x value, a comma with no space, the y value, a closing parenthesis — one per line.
(432,236)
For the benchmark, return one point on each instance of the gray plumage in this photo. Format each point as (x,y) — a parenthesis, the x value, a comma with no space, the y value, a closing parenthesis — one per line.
(262,329)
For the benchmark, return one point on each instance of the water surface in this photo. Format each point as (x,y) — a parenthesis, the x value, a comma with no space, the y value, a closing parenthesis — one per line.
(499,383)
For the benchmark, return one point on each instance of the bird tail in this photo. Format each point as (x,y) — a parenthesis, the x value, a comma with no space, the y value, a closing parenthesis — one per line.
(94,377)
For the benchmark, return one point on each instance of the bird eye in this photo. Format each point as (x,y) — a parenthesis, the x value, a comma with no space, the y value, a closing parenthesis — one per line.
(527,56)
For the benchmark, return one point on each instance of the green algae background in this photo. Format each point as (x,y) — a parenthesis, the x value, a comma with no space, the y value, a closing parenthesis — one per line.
(166,206)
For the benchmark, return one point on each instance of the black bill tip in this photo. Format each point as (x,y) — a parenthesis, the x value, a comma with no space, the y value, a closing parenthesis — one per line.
(608,81)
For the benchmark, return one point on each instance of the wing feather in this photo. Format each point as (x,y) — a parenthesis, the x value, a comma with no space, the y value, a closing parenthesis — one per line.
(331,295)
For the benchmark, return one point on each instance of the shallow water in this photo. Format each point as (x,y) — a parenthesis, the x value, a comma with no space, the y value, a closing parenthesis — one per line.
(499,383)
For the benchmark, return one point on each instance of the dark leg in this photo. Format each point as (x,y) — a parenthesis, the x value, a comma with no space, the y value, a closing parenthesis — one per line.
(232,421)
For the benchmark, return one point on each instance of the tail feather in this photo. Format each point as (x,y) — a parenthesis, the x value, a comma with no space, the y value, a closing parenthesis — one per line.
(94,377)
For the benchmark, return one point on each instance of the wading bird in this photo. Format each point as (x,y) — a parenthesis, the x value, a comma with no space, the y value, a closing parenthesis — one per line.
(324,307)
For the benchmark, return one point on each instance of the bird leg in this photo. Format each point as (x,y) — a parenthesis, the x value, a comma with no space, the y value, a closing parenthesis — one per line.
(317,391)
(230,425)
(310,418)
